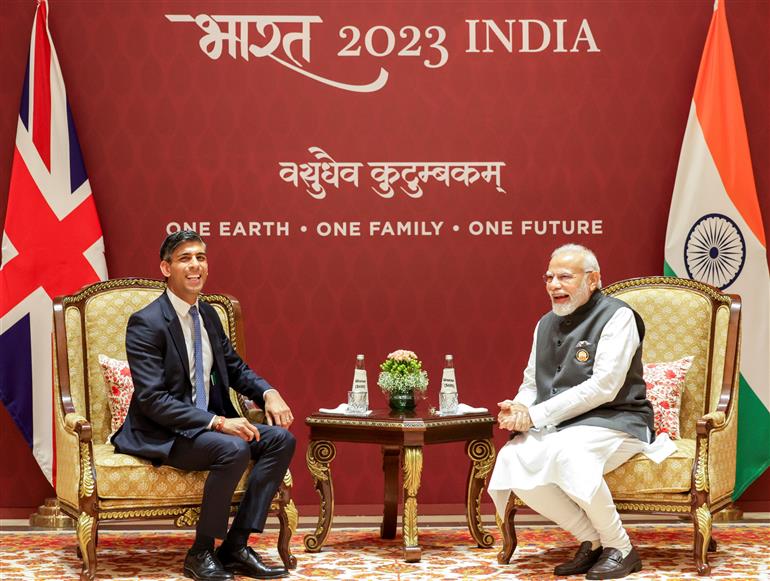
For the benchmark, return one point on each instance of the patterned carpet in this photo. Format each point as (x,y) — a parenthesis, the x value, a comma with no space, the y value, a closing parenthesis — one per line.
(359,554)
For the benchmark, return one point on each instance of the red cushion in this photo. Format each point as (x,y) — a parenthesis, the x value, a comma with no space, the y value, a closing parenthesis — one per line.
(120,387)
(665,383)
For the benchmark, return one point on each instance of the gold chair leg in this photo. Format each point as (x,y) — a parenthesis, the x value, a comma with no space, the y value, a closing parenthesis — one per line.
(508,529)
(86,529)
(702,541)
(288,517)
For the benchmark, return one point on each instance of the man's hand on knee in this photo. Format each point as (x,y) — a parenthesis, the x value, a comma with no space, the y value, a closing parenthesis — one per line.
(277,411)
(242,428)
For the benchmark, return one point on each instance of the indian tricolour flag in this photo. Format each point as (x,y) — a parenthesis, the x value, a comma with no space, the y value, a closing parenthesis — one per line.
(715,232)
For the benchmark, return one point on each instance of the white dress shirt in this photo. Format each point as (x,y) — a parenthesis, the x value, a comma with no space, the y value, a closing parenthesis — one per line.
(182,309)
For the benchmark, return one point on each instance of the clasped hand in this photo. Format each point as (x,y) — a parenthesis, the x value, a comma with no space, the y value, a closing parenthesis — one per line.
(513,416)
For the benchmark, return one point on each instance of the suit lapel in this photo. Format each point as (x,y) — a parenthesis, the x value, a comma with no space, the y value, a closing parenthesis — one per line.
(175,329)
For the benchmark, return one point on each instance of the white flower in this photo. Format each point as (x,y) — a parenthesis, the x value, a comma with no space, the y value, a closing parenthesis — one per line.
(390,383)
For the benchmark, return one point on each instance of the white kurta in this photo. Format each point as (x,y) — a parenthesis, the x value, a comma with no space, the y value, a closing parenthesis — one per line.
(574,458)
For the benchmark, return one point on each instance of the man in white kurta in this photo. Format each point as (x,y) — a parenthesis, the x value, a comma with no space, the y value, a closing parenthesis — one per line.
(567,436)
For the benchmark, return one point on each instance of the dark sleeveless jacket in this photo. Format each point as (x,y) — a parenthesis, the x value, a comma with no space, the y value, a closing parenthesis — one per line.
(566,347)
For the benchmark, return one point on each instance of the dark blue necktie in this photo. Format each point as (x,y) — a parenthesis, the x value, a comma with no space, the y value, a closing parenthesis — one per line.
(200,388)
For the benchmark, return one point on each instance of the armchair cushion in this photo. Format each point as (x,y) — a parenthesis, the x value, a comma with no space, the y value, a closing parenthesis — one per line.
(120,388)
(665,383)
(641,475)
(121,476)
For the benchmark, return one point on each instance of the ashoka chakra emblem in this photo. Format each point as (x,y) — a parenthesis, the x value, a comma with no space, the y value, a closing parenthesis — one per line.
(715,251)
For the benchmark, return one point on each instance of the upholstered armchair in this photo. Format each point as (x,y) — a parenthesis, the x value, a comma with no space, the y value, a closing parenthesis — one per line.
(682,318)
(94,483)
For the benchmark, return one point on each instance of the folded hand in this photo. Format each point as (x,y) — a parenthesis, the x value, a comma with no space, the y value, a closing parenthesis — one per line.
(514,416)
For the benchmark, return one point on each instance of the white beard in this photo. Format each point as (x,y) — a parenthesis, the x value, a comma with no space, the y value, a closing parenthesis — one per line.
(581,296)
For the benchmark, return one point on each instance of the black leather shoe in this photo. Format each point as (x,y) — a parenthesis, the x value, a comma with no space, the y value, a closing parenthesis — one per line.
(584,559)
(612,565)
(246,562)
(204,566)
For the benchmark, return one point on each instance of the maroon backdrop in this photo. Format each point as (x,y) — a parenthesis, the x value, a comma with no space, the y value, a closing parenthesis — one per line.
(170,135)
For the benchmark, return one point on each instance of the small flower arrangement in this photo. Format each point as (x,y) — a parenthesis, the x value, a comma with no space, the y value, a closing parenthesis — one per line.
(402,373)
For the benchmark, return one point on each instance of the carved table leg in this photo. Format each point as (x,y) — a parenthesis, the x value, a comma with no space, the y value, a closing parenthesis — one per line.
(319,455)
(412,473)
(390,465)
(482,455)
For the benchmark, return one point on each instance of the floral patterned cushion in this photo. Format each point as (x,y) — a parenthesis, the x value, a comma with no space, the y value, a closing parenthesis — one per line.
(120,386)
(665,382)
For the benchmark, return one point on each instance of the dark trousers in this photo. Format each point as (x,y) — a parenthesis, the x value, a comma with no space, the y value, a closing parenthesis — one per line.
(227,457)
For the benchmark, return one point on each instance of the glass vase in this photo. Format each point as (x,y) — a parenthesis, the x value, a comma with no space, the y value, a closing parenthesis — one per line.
(400,402)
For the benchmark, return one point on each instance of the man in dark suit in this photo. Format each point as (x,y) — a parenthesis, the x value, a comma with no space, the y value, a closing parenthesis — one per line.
(182,365)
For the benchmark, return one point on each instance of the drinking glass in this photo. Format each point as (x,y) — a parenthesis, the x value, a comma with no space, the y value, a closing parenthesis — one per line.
(358,402)
(447,402)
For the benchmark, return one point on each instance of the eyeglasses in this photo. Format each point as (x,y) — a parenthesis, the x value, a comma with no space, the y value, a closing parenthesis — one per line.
(564,277)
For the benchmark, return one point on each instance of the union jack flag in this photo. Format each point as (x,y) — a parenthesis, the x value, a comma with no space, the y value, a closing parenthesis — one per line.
(52,242)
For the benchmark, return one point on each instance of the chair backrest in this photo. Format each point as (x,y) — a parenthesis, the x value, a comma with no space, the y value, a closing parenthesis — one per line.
(684,317)
(92,322)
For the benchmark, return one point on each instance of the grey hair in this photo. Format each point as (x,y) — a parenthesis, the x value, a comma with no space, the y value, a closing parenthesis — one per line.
(589,258)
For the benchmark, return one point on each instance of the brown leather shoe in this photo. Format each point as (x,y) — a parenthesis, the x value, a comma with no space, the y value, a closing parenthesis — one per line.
(584,559)
(612,565)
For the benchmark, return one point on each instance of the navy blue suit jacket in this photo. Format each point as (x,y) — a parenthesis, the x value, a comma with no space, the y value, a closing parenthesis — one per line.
(161,408)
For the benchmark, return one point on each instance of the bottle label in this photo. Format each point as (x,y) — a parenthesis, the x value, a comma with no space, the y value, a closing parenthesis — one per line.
(359,380)
(448,383)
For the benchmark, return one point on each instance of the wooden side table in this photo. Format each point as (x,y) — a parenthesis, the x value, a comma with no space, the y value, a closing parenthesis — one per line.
(402,436)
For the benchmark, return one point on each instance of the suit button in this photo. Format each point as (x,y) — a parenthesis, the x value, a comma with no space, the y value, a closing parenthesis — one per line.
(558,368)
(558,343)
(553,391)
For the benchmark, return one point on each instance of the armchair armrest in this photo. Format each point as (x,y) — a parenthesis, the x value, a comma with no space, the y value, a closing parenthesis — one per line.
(711,421)
(77,424)
(714,470)
(253,412)
(731,370)
(247,408)
(74,459)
